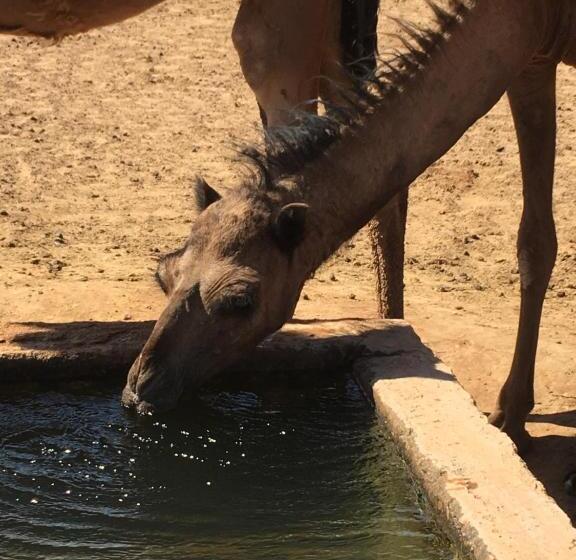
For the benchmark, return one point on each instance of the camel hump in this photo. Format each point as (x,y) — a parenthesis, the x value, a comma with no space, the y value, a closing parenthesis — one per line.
(358,35)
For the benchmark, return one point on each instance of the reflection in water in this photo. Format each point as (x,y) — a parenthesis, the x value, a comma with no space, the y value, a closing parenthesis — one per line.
(293,472)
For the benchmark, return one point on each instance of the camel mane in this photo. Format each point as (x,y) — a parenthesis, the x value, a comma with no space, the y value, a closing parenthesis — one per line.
(286,150)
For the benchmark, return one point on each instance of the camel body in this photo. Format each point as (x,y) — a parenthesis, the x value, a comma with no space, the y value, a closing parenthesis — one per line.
(58,18)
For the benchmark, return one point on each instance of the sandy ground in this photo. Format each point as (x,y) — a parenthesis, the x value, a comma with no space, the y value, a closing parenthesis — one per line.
(102,135)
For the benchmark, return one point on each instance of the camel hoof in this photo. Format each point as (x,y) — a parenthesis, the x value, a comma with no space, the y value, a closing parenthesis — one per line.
(516,432)
(522,440)
(570,484)
(497,418)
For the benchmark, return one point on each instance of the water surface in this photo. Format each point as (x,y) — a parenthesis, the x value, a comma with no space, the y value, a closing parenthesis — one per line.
(290,471)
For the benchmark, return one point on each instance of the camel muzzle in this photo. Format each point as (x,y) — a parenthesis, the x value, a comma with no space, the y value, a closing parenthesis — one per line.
(149,390)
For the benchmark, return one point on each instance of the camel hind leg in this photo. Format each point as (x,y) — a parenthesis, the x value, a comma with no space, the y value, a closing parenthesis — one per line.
(533,102)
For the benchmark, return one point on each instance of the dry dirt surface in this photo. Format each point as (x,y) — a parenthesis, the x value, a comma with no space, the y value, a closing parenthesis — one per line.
(102,134)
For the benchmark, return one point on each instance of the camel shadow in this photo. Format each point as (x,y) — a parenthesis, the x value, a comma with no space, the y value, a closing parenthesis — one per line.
(38,351)
(552,458)
(90,349)
(296,321)
(37,335)
(566,418)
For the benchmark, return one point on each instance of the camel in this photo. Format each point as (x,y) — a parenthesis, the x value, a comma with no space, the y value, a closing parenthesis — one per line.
(238,277)
(283,67)
(289,70)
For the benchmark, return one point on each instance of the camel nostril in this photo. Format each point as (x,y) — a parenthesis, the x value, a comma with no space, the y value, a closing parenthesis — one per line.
(156,391)
(129,394)
(134,372)
(146,381)
(149,384)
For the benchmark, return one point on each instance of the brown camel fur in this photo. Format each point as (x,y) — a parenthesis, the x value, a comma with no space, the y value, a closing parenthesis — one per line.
(58,18)
(239,276)
(293,53)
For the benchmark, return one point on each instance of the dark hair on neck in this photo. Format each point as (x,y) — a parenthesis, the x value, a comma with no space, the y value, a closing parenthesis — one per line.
(287,150)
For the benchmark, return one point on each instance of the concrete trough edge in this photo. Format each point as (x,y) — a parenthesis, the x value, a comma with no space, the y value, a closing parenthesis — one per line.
(488,501)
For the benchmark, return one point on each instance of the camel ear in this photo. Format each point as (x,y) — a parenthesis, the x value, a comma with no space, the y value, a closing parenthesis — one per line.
(290,225)
(204,195)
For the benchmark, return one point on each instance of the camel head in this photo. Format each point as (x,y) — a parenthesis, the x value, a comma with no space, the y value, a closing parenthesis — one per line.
(236,280)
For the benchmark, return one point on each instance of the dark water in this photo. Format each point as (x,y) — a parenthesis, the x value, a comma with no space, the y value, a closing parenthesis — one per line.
(281,473)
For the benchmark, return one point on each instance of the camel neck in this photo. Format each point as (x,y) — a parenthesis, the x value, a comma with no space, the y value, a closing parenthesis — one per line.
(463,78)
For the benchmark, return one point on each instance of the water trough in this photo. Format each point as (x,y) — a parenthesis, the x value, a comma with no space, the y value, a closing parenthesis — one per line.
(487,501)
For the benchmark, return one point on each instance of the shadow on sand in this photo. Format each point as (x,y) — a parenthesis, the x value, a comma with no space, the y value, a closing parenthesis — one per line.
(41,351)
(553,458)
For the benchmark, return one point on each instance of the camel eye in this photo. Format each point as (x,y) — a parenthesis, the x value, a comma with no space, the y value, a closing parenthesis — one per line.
(235,303)
(229,298)
(240,303)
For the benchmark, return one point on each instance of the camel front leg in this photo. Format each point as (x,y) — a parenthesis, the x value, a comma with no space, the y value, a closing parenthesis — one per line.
(387,229)
(280,45)
(533,102)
